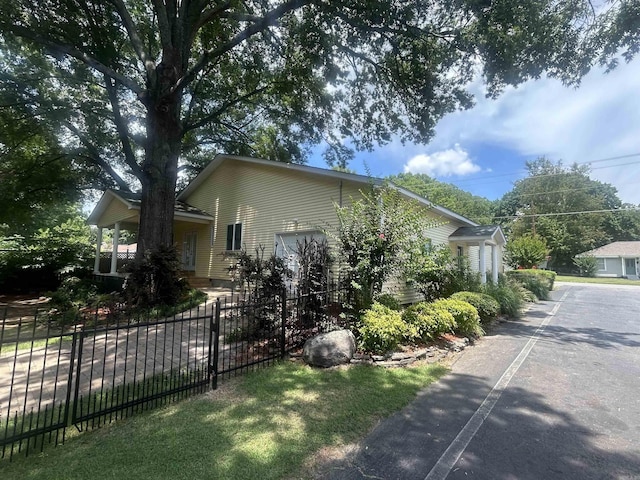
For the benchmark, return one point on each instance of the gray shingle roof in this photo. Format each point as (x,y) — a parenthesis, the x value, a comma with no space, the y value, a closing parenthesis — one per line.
(180,206)
(616,249)
(481,231)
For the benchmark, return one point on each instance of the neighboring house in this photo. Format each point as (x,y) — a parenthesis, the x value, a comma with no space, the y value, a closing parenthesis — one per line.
(617,259)
(238,202)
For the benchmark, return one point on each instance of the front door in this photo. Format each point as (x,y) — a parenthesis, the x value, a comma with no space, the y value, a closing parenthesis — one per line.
(630,267)
(189,251)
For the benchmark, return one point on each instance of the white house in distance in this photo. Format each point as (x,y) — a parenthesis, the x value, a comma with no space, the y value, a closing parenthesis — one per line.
(617,259)
(238,202)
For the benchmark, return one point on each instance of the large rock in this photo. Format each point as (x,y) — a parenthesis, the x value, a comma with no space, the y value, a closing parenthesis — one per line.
(329,349)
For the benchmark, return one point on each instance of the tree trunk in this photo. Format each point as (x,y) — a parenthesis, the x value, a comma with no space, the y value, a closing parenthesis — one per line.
(160,167)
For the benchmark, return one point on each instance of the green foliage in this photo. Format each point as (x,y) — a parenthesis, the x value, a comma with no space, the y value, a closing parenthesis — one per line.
(537,281)
(465,315)
(263,282)
(389,300)
(509,295)
(487,306)
(436,274)
(314,260)
(375,235)
(536,286)
(31,262)
(587,265)
(526,252)
(382,329)
(65,303)
(154,280)
(553,188)
(259,277)
(447,195)
(428,321)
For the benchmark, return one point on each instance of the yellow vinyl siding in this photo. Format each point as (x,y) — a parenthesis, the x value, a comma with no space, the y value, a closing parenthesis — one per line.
(117,211)
(266,200)
(439,236)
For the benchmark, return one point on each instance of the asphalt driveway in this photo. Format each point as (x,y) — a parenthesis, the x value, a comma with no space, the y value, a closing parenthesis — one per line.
(555,395)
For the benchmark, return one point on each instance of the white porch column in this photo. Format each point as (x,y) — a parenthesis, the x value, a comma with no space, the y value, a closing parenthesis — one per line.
(96,264)
(114,253)
(483,264)
(624,266)
(494,264)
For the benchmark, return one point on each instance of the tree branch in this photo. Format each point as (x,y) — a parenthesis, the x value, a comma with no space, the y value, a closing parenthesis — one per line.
(78,55)
(136,41)
(121,127)
(163,25)
(96,158)
(223,108)
(263,23)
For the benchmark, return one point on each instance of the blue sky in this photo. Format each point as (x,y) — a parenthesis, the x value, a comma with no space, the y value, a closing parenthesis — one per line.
(483,150)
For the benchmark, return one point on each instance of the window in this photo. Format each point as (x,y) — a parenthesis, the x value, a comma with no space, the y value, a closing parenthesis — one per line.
(460,256)
(234,236)
(427,246)
(602,264)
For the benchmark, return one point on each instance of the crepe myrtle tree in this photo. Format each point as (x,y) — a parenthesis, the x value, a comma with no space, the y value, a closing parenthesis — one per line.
(376,235)
(143,89)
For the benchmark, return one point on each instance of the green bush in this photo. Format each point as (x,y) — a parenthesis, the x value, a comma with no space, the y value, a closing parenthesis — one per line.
(428,321)
(526,251)
(382,329)
(465,315)
(388,300)
(509,295)
(487,306)
(588,265)
(547,276)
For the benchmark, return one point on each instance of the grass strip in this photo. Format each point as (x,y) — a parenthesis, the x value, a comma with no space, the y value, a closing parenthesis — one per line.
(265,425)
(598,280)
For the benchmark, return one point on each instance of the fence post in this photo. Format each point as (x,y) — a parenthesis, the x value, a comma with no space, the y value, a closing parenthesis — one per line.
(283,329)
(215,338)
(78,341)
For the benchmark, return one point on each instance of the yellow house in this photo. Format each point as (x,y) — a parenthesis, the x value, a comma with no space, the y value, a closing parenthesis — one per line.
(246,202)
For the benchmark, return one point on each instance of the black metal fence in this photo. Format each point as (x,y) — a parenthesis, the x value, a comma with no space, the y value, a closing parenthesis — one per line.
(92,373)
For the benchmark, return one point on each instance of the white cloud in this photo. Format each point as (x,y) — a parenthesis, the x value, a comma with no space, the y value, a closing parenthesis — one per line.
(597,120)
(445,163)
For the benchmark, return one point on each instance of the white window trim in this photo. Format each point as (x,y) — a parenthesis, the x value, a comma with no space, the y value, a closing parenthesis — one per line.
(233,237)
(604,264)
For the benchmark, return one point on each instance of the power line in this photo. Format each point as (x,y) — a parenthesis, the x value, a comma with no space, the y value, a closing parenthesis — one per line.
(608,159)
(558,214)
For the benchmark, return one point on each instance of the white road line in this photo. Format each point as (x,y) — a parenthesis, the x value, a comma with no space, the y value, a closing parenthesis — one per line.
(459,444)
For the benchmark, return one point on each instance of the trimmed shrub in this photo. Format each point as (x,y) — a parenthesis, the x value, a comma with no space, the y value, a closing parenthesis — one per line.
(382,329)
(428,321)
(547,276)
(509,295)
(388,300)
(487,306)
(465,315)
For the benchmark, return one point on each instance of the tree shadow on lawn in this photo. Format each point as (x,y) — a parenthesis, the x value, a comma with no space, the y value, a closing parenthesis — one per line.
(264,428)
(523,438)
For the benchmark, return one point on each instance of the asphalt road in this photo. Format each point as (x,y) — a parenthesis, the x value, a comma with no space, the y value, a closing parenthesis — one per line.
(555,395)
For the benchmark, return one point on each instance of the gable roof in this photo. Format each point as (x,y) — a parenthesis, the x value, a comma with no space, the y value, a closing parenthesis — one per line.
(182,210)
(492,233)
(615,249)
(220,158)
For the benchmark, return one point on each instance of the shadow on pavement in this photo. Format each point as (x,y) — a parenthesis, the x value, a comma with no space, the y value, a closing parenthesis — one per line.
(523,439)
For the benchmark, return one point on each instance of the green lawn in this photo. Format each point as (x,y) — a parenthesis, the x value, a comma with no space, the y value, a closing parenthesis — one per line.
(601,280)
(266,425)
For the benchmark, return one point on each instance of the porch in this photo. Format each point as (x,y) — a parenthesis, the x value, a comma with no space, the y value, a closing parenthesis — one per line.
(490,236)
(119,211)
